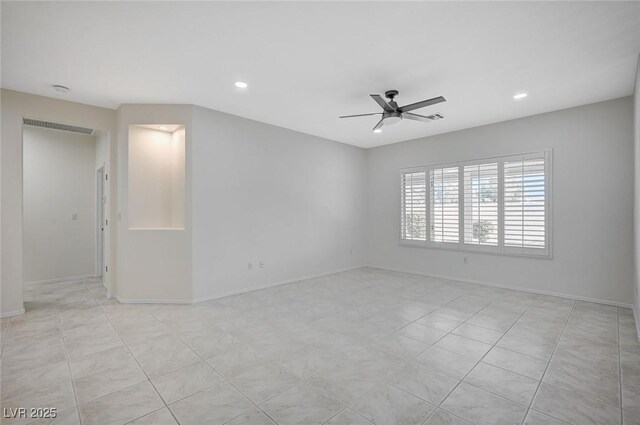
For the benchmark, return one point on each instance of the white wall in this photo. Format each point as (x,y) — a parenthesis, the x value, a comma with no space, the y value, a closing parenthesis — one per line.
(59,181)
(264,193)
(258,193)
(15,106)
(178,160)
(636,216)
(592,202)
(154,265)
(156,178)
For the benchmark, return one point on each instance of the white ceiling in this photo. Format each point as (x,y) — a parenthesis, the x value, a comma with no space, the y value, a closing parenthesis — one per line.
(309,62)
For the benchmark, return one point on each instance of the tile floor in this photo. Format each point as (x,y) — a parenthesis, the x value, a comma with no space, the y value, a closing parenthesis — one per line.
(360,347)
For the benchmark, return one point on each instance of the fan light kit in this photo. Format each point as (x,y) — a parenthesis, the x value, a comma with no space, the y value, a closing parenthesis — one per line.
(241,85)
(61,89)
(393,114)
(520,96)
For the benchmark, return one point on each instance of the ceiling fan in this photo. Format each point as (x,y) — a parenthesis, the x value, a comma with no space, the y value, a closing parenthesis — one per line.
(392,113)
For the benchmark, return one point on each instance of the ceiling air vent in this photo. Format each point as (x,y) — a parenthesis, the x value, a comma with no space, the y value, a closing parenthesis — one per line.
(56,126)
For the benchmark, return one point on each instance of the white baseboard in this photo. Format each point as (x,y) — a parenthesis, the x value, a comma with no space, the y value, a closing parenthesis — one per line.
(271,285)
(515,288)
(230,293)
(12,313)
(62,279)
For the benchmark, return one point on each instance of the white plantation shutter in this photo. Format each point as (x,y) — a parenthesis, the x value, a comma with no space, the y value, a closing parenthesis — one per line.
(444,204)
(481,204)
(525,203)
(413,220)
(493,205)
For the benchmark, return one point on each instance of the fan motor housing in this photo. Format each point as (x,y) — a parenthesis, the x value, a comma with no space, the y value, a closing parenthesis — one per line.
(390,94)
(393,114)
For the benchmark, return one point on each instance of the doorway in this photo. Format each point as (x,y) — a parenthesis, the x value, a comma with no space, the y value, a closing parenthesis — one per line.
(65,204)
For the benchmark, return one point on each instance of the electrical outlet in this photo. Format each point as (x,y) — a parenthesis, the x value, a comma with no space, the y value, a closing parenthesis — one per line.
(74,216)
(249,266)
(261,265)
(351,252)
(465,260)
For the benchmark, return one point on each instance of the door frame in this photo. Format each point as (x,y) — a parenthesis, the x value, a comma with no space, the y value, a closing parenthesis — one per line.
(101,201)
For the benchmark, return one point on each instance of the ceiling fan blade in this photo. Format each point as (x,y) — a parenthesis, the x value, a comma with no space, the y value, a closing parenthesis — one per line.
(421,118)
(361,115)
(380,101)
(379,125)
(422,104)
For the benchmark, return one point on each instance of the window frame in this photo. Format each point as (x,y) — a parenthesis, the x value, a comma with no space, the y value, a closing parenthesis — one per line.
(413,242)
(461,246)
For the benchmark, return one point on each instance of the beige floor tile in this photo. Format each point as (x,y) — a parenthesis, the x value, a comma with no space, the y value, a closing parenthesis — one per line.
(591,382)
(464,346)
(342,382)
(478,333)
(426,383)
(502,382)
(216,405)
(523,364)
(302,405)
(159,417)
(448,362)
(349,335)
(163,354)
(537,418)
(263,382)
(388,405)
(483,408)
(348,417)
(184,382)
(442,417)
(121,406)
(574,408)
(424,334)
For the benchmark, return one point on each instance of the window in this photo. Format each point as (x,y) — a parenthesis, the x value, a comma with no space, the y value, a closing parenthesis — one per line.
(481,204)
(499,205)
(444,211)
(525,203)
(414,206)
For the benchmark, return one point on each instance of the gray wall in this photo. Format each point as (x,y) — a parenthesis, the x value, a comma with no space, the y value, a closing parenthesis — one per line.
(264,193)
(59,181)
(636,138)
(15,106)
(592,202)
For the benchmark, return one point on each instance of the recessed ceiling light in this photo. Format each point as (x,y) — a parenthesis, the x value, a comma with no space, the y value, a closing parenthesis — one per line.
(377,130)
(61,89)
(520,96)
(241,85)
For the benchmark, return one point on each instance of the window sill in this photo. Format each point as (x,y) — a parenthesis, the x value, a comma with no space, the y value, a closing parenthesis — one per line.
(472,250)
